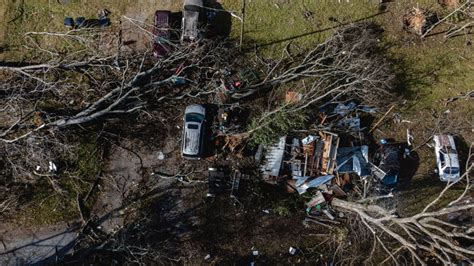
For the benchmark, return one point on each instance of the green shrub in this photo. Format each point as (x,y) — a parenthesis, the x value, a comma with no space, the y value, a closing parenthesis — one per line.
(278,124)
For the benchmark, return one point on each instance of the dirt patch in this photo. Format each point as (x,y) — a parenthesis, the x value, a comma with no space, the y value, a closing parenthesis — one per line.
(137,23)
(137,30)
(122,176)
(451,4)
(132,163)
(20,245)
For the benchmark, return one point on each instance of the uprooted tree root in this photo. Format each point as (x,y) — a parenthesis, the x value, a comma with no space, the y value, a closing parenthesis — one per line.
(418,21)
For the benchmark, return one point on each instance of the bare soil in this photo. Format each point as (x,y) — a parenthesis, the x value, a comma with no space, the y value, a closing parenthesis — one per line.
(449,3)
(26,245)
(138,39)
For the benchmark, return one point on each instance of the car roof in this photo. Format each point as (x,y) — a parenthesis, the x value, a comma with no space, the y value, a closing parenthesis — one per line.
(452,160)
(193,2)
(195,108)
(191,139)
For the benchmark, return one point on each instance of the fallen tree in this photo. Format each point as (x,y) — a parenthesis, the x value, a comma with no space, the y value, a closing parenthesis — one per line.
(43,102)
(426,234)
(349,65)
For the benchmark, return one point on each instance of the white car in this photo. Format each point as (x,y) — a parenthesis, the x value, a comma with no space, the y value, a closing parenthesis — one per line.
(193,132)
(190,21)
(446,158)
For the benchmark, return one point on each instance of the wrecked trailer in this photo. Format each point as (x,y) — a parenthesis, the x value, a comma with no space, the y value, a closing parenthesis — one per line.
(313,156)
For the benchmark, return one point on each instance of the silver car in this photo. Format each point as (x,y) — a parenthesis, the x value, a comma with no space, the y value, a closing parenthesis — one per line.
(447,161)
(193,132)
(189,25)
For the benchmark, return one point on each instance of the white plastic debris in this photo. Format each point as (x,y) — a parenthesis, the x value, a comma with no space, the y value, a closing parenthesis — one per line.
(38,168)
(314,183)
(208,256)
(266,211)
(161,156)
(255,252)
(52,167)
(308,139)
(328,214)
(292,250)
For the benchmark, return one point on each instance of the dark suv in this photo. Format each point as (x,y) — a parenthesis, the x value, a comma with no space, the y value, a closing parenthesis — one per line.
(162,33)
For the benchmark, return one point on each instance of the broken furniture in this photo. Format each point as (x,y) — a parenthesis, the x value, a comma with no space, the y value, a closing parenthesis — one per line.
(320,154)
(221,180)
(229,118)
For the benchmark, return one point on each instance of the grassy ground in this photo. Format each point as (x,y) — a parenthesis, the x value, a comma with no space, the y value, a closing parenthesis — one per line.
(3,13)
(47,16)
(433,69)
(45,206)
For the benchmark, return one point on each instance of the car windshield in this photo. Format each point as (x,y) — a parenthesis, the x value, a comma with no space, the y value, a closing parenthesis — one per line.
(194,117)
(193,126)
(451,170)
(193,8)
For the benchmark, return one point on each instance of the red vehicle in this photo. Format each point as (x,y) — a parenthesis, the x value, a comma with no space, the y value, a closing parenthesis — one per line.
(162,33)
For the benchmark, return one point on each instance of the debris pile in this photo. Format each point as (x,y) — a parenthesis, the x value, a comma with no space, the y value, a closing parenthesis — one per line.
(339,162)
